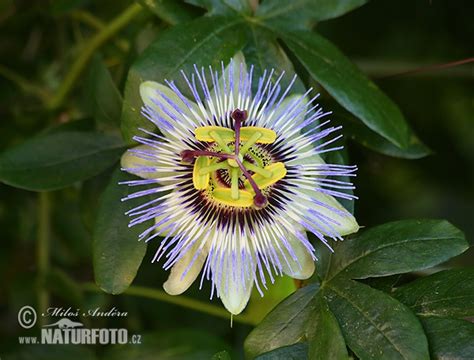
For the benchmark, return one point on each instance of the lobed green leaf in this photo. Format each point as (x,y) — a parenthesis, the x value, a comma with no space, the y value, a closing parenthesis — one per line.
(449,338)
(446,293)
(284,325)
(396,247)
(325,340)
(375,326)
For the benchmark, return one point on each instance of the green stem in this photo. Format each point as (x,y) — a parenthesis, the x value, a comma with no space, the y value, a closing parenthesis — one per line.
(43,247)
(178,300)
(89,49)
(23,83)
(97,24)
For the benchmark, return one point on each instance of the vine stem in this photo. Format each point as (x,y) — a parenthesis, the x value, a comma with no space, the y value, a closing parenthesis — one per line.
(89,49)
(43,247)
(183,301)
(23,83)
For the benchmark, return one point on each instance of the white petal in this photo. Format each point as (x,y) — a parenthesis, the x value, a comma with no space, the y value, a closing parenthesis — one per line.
(171,120)
(343,222)
(233,293)
(177,283)
(288,115)
(236,65)
(303,267)
(135,160)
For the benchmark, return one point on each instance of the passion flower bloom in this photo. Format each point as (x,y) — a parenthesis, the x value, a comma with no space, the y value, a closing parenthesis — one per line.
(235,180)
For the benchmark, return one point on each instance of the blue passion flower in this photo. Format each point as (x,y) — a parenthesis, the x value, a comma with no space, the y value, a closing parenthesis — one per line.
(235,180)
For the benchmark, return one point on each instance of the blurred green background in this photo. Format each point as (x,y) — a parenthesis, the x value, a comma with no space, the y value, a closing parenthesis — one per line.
(40,39)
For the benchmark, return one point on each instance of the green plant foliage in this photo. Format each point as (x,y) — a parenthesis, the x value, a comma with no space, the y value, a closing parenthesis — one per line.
(446,293)
(373,324)
(171,11)
(206,41)
(350,87)
(449,338)
(69,85)
(397,247)
(302,14)
(105,101)
(325,340)
(58,160)
(117,251)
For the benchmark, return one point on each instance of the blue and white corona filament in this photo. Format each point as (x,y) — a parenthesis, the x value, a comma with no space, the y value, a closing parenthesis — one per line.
(236,180)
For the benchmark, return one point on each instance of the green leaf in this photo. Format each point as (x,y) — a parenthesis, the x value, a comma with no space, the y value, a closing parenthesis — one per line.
(171,11)
(285,325)
(375,325)
(84,124)
(116,249)
(264,52)
(204,42)
(291,352)
(226,7)
(349,86)
(449,338)
(258,306)
(325,340)
(101,94)
(58,160)
(396,247)
(363,135)
(221,355)
(287,15)
(446,293)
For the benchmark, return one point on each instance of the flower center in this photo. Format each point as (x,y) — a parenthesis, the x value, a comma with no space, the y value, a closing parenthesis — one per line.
(229,151)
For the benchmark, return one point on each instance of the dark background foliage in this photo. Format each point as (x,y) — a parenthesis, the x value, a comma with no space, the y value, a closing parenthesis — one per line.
(39,43)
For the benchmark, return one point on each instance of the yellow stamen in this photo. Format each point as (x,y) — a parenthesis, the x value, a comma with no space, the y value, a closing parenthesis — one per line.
(278,171)
(201,182)
(268,136)
(224,196)
(227,135)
